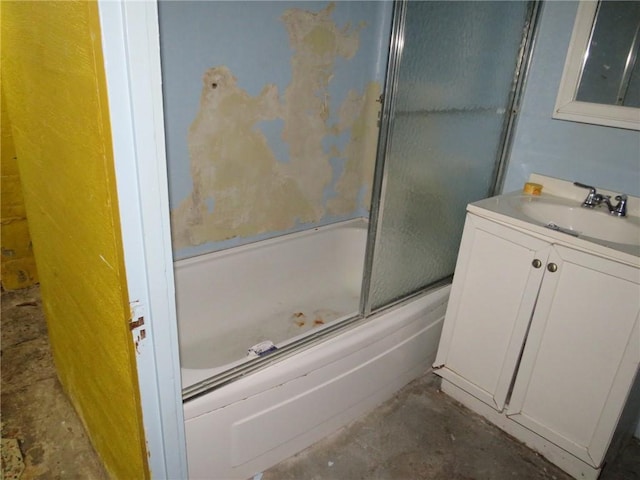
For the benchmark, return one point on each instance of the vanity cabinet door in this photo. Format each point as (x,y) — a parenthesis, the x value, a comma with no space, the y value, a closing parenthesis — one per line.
(494,290)
(582,353)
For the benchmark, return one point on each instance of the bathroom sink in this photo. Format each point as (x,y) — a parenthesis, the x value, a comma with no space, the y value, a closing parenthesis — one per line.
(573,219)
(557,214)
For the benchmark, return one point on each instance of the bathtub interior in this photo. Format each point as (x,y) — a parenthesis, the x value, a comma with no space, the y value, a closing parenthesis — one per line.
(277,290)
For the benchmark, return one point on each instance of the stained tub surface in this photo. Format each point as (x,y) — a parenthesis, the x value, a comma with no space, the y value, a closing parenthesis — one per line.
(275,290)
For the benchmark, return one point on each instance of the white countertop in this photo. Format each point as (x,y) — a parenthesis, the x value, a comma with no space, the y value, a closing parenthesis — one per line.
(504,209)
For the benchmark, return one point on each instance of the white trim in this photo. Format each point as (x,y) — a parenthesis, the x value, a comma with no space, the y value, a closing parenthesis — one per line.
(566,107)
(132,64)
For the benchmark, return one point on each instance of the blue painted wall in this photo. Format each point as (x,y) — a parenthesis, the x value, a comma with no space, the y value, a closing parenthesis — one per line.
(251,39)
(603,156)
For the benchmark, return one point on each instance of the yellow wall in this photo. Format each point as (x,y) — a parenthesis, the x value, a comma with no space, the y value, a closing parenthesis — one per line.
(18,267)
(54,83)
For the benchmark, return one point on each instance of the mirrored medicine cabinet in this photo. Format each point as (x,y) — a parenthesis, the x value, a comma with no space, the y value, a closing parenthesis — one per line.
(601,78)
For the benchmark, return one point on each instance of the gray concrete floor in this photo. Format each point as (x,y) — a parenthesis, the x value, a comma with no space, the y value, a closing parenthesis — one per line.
(423,434)
(42,437)
(419,434)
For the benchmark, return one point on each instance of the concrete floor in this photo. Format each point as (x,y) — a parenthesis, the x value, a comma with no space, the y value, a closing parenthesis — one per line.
(42,437)
(423,434)
(419,434)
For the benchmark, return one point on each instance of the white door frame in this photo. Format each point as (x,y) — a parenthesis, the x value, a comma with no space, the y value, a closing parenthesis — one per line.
(131,49)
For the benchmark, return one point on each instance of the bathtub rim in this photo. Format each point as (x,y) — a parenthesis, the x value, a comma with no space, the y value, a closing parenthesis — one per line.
(315,342)
(359,222)
(222,375)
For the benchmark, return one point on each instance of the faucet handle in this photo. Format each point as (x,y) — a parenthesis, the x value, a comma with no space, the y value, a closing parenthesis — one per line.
(590,201)
(621,208)
(582,185)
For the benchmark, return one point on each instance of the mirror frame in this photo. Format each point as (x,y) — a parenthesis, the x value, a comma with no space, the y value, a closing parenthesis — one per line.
(567,107)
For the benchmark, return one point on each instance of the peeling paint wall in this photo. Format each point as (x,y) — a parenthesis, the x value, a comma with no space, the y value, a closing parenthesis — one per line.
(283,136)
(54,83)
(16,253)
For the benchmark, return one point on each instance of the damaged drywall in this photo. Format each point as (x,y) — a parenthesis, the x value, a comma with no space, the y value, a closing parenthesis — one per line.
(284,157)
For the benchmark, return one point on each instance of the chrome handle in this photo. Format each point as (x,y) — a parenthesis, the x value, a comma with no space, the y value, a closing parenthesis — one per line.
(621,208)
(589,201)
(536,263)
(552,267)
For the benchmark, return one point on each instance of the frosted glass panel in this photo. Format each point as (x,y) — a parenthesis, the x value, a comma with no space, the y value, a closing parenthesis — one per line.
(455,77)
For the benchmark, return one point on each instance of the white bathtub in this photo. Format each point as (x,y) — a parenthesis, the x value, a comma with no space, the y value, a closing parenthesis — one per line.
(301,281)
(275,290)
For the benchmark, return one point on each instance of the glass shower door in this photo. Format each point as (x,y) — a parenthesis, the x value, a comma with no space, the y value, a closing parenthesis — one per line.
(454,74)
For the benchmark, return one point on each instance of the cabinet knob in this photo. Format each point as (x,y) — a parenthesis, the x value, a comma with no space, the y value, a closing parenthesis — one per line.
(536,263)
(552,267)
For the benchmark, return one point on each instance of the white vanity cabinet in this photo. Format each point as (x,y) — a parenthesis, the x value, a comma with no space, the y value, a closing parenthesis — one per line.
(546,335)
(494,291)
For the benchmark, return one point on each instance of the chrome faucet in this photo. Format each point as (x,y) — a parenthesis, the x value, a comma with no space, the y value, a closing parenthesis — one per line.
(595,199)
